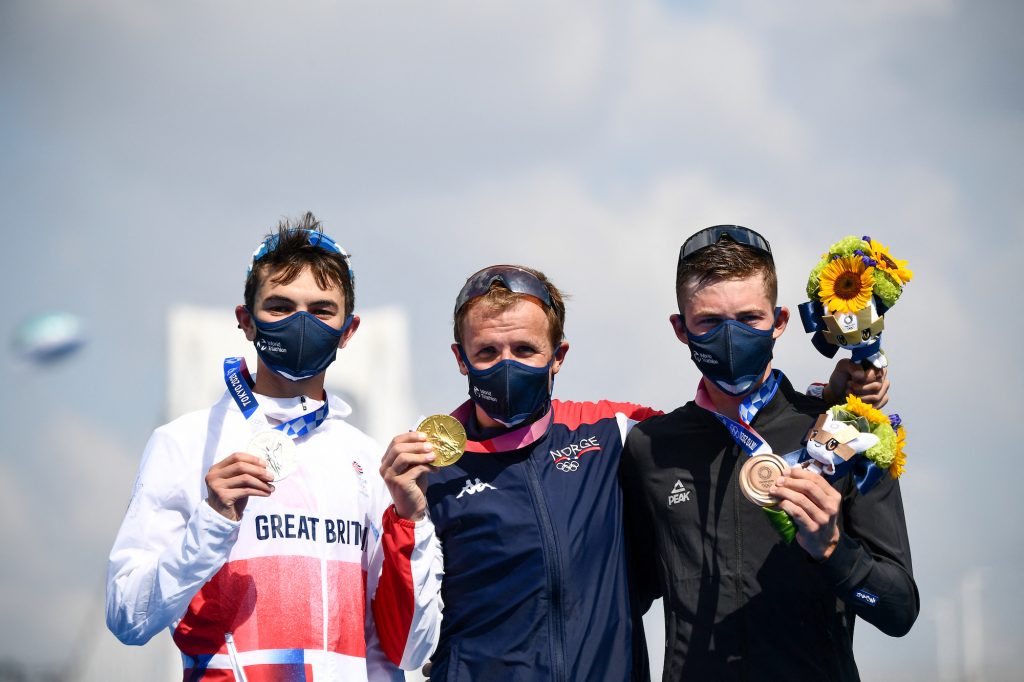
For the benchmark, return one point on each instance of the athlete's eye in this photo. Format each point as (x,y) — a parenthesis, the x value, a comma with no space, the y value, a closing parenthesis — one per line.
(485,353)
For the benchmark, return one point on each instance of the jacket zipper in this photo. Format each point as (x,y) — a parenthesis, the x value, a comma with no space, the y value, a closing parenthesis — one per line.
(736,502)
(553,566)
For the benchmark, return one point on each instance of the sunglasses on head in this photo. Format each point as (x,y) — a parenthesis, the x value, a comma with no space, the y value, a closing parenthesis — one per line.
(514,279)
(715,234)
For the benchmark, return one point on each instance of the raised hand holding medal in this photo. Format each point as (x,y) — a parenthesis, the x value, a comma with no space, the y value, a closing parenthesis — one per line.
(758,474)
(273,446)
(277,450)
(438,440)
(446,435)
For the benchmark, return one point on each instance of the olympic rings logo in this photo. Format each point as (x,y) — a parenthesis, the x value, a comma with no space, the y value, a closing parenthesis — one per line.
(568,465)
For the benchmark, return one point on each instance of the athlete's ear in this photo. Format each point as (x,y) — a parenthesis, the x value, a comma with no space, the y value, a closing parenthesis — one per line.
(350,332)
(781,320)
(458,359)
(245,322)
(679,327)
(559,358)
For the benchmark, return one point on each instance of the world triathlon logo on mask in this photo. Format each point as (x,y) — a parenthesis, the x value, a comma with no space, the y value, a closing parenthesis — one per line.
(481,394)
(703,358)
(567,459)
(270,346)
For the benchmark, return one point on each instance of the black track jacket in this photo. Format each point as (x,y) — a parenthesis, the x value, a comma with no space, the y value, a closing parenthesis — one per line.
(741,604)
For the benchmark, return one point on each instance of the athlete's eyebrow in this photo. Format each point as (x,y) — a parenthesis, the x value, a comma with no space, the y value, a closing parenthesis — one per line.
(282,299)
(277,298)
(324,303)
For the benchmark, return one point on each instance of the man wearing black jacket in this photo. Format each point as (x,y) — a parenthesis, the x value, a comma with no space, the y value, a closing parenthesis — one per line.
(741,603)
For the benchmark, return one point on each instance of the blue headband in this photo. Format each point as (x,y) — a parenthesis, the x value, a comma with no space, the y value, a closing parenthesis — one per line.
(317,239)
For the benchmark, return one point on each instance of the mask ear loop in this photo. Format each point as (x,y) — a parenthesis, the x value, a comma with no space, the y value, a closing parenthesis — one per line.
(465,360)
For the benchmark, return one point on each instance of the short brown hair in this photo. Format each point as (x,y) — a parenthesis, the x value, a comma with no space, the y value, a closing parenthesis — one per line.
(498,299)
(725,260)
(292,253)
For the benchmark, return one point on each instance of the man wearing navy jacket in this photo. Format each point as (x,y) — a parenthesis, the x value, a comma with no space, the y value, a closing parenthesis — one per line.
(530,518)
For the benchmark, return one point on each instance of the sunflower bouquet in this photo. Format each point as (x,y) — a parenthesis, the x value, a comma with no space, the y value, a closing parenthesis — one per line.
(851,287)
(851,438)
(886,455)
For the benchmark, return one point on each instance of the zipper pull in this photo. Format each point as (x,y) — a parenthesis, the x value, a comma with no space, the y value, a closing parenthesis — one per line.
(304,406)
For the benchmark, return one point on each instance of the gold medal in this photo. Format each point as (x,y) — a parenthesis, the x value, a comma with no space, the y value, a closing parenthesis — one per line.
(758,474)
(277,450)
(447,436)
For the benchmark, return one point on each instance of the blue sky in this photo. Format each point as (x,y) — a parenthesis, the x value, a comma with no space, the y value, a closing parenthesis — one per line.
(148,146)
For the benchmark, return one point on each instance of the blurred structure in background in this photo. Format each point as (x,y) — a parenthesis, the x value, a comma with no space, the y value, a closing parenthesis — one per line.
(48,337)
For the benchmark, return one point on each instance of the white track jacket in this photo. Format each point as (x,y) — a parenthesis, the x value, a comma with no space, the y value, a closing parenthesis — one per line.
(319,581)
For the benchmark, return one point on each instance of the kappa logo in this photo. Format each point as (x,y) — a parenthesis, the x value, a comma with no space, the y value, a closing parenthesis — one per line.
(679,494)
(567,459)
(472,487)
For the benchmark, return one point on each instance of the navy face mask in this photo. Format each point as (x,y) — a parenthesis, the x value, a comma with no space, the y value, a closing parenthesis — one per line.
(733,355)
(299,346)
(509,391)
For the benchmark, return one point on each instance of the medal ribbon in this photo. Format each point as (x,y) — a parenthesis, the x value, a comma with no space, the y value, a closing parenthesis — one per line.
(240,383)
(742,432)
(752,442)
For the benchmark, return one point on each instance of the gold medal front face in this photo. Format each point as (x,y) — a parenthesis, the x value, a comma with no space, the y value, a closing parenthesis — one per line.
(757,476)
(447,436)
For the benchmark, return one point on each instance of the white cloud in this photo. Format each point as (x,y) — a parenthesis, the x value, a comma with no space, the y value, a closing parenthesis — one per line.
(844,13)
(702,82)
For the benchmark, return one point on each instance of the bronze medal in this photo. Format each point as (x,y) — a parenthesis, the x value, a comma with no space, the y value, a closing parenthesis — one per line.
(758,474)
(447,436)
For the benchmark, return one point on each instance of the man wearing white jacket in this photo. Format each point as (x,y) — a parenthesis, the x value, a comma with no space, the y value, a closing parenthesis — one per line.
(260,531)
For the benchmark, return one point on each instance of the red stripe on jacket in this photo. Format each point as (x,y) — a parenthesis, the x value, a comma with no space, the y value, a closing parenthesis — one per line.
(393,604)
(573,415)
(276,602)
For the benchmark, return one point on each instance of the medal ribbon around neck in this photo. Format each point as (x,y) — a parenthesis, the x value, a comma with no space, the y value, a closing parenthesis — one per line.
(742,432)
(752,442)
(240,383)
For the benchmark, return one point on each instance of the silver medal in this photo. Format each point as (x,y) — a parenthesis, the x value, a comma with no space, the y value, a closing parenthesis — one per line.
(277,450)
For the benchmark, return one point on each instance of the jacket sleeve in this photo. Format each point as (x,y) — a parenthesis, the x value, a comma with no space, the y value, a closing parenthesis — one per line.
(404,584)
(169,544)
(870,568)
(641,567)
(639,527)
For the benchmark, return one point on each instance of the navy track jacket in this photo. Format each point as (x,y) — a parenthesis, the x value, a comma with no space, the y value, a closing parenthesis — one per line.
(531,524)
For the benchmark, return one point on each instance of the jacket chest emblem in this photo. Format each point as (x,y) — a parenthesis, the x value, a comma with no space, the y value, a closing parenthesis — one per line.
(567,459)
(473,487)
(679,494)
